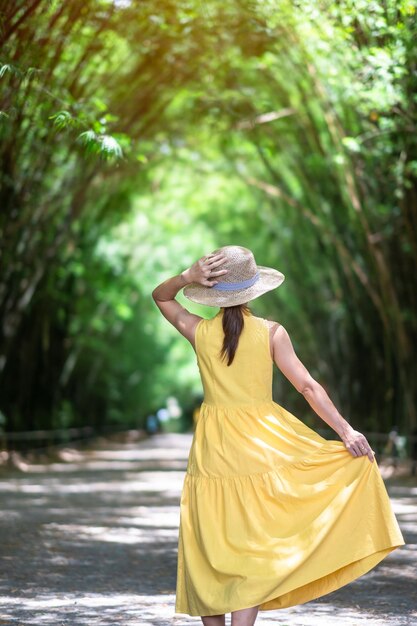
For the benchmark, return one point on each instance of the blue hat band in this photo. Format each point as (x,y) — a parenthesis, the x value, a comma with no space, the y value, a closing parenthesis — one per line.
(243,284)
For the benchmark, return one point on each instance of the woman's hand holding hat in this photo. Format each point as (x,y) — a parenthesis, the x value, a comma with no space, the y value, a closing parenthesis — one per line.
(205,269)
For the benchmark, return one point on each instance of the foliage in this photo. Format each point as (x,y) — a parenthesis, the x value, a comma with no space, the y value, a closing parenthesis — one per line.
(137,136)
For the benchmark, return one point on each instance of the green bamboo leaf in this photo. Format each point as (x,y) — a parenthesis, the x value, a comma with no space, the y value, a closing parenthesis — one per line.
(5,68)
(63,119)
(105,145)
(110,147)
(87,137)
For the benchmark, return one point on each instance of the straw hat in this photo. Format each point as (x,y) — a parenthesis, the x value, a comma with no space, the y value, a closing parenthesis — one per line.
(244,281)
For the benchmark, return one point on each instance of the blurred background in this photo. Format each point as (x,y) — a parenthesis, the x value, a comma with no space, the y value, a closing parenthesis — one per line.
(138,136)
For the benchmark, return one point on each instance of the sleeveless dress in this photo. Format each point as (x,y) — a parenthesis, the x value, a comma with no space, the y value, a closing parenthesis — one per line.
(271,513)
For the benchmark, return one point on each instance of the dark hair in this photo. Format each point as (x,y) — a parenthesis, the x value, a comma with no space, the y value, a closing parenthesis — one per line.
(232,327)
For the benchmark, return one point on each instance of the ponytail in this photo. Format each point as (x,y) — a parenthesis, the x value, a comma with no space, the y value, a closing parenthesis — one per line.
(232,327)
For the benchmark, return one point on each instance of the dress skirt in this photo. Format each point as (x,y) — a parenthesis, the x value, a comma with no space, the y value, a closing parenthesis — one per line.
(317,519)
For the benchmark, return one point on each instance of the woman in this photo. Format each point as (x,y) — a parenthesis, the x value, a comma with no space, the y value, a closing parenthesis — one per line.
(271,513)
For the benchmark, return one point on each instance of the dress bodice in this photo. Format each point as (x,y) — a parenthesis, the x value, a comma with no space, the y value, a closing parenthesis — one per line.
(248,380)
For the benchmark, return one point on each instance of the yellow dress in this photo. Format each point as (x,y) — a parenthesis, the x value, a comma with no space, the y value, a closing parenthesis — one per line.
(271,513)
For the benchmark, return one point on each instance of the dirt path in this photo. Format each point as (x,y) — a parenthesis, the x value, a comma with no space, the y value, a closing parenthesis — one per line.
(91,540)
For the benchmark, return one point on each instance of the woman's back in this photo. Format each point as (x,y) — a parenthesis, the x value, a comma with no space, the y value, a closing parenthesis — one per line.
(248,379)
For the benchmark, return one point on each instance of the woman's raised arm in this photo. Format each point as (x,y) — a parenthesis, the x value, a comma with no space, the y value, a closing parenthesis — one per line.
(200,272)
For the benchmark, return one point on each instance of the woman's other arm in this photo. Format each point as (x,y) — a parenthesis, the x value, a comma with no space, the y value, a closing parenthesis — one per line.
(293,369)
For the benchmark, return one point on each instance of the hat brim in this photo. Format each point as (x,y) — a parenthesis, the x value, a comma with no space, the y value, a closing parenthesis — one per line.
(269,279)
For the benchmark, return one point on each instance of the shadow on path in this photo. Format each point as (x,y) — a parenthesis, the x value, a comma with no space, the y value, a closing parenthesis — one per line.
(92,541)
